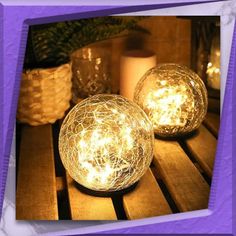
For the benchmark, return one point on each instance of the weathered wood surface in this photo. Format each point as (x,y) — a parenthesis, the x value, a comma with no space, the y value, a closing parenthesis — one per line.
(146,200)
(203,148)
(36,196)
(37,185)
(184,182)
(86,207)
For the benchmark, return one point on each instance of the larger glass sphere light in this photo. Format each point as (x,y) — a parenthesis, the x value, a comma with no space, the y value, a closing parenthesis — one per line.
(174,98)
(106,143)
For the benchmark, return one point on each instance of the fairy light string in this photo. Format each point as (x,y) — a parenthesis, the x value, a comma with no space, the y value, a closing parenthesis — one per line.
(106,143)
(173,97)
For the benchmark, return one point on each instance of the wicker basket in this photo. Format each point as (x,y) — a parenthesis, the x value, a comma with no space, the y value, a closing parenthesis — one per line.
(44,95)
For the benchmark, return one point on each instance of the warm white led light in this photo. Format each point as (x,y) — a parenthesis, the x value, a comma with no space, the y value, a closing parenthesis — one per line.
(106,143)
(173,97)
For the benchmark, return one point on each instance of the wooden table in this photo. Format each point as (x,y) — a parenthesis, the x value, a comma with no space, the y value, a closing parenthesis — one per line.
(178,179)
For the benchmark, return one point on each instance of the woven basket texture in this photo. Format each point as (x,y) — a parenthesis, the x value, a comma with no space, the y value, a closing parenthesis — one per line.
(44,95)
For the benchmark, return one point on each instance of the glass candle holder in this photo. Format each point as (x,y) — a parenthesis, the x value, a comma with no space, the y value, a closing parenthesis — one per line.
(174,98)
(106,143)
(91,70)
(213,66)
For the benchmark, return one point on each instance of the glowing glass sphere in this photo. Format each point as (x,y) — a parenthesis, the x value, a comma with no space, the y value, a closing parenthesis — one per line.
(106,143)
(173,97)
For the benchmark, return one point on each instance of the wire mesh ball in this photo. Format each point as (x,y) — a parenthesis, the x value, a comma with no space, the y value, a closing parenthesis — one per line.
(173,97)
(106,143)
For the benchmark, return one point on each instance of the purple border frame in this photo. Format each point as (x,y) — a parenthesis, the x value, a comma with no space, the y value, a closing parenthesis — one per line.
(14,21)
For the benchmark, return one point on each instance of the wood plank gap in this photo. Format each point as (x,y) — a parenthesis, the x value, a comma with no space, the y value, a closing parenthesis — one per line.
(61,183)
(60,170)
(63,205)
(203,149)
(194,161)
(146,200)
(119,207)
(165,191)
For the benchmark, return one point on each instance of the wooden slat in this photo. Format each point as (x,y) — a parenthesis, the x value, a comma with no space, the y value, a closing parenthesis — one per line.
(203,147)
(86,207)
(146,200)
(155,173)
(212,122)
(36,197)
(185,184)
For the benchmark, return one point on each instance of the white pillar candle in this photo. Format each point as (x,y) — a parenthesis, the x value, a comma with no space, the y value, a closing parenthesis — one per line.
(133,65)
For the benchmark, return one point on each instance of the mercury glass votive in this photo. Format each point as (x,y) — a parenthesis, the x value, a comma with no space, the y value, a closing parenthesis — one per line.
(106,143)
(174,98)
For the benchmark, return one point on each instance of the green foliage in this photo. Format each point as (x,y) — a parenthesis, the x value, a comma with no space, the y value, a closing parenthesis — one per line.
(50,45)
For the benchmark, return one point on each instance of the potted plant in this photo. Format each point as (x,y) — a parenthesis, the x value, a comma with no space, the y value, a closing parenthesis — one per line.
(46,81)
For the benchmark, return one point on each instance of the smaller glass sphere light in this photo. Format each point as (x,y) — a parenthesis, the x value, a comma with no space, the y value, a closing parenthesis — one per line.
(106,143)
(174,98)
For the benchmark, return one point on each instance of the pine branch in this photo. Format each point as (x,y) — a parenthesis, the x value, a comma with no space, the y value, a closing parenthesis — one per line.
(51,44)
